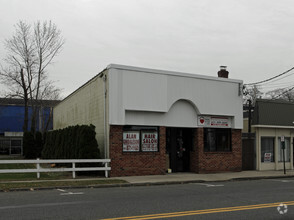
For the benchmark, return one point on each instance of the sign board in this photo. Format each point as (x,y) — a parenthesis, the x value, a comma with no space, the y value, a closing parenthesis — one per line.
(214,121)
(267,157)
(283,139)
(131,141)
(219,122)
(149,141)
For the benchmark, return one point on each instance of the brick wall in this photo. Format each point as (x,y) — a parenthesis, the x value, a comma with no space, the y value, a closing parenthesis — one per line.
(206,162)
(135,163)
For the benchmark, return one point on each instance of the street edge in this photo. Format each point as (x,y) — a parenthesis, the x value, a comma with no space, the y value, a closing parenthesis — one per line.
(143,184)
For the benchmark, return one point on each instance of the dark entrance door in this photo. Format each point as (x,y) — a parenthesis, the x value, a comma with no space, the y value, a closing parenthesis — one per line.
(179,145)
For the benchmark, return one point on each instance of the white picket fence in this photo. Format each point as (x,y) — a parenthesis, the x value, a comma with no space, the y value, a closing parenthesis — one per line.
(73,169)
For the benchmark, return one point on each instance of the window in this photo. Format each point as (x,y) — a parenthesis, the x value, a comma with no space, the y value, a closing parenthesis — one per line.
(140,139)
(4,147)
(131,141)
(217,139)
(149,139)
(267,149)
(16,146)
(287,150)
(10,146)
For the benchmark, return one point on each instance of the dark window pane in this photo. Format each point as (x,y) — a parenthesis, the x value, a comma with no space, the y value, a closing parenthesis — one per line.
(217,139)
(15,143)
(267,149)
(4,147)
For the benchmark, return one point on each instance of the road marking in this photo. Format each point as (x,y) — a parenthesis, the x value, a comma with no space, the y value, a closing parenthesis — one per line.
(61,190)
(204,211)
(283,181)
(286,181)
(65,193)
(209,185)
(71,193)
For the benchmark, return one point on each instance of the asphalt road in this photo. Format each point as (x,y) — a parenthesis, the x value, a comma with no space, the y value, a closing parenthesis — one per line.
(256,199)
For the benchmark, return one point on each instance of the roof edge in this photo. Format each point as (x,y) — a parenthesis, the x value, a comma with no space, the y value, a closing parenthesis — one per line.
(272,126)
(173,73)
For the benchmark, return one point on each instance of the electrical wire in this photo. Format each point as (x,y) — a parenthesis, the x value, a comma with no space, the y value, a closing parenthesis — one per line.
(263,81)
(275,97)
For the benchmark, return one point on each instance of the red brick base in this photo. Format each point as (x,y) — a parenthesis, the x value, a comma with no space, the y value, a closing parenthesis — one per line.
(135,163)
(152,163)
(210,162)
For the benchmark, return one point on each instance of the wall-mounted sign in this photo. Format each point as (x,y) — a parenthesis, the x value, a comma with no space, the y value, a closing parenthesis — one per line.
(149,141)
(214,121)
(267,157)
(131,141)
(219,121)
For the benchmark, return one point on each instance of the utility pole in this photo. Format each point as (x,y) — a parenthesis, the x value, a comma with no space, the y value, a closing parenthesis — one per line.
(249,115)
(283,148)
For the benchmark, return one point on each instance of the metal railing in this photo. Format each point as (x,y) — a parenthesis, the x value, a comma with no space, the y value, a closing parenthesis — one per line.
(73,169)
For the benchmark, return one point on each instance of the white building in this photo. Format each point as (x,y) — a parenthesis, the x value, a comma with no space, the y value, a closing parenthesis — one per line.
(148,121)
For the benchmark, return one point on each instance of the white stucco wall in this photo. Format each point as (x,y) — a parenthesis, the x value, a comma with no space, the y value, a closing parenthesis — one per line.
(142,96)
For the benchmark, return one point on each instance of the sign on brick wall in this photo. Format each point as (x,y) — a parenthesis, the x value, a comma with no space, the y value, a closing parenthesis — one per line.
(214,121)
(149,141)
(131,141)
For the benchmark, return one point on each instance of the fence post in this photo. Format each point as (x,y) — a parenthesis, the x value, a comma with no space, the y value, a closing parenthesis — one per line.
(38,168)
(73,172)
(106,171)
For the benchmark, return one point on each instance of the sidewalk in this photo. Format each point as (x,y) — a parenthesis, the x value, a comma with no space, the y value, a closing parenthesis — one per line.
(214,177)
(173,178)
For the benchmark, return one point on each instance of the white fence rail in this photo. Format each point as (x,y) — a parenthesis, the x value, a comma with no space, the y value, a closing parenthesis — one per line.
(73,169)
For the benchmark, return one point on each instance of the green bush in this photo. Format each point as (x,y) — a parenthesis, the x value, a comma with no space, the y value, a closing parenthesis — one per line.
(32,144)
(74,142)
(38,144)
(29,145)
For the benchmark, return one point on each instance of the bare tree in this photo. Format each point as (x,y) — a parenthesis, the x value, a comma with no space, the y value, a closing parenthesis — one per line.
(284,94)
(251,93)
(29,52)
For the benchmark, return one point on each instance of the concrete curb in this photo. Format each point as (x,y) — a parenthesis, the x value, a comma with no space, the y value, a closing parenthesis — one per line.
(145,183)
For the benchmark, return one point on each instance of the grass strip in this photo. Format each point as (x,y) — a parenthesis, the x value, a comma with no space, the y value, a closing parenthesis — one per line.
(73,183)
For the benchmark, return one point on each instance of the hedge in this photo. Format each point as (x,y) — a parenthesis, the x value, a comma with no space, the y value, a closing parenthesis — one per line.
(32,144)
(74,142)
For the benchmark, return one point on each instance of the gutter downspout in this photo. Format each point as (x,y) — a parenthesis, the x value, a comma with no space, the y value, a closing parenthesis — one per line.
(104,116)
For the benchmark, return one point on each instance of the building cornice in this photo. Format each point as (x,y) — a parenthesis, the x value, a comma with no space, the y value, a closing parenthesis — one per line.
(273,126)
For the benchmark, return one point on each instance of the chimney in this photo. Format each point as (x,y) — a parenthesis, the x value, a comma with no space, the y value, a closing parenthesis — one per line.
(223,72)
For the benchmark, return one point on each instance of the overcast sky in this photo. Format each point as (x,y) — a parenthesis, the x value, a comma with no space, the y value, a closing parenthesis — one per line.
(254,38)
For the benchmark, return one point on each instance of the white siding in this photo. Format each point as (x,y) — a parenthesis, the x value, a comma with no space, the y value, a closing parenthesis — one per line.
(84,107)
(145,97)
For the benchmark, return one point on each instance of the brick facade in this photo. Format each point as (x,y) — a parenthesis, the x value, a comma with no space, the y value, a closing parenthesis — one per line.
(135,163)
(154,163)
(210,162)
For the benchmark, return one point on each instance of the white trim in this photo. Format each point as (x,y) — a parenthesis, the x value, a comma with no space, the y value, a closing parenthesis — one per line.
(172,73)
(272,126)
(13,134)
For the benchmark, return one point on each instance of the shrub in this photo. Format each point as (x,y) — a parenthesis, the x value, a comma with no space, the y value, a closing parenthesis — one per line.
(29,145)
(74,142)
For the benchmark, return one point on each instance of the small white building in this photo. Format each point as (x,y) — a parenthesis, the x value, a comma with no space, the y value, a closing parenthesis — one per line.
(273,124)
(148,121)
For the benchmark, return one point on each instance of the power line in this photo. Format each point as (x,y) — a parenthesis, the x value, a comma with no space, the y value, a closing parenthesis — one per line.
(283,93)
(270,78)
(280,78)
(284,85)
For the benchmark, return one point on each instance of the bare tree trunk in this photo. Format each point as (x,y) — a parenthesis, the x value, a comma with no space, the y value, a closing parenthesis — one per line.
(49,119)
(26,115)
(26,104)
